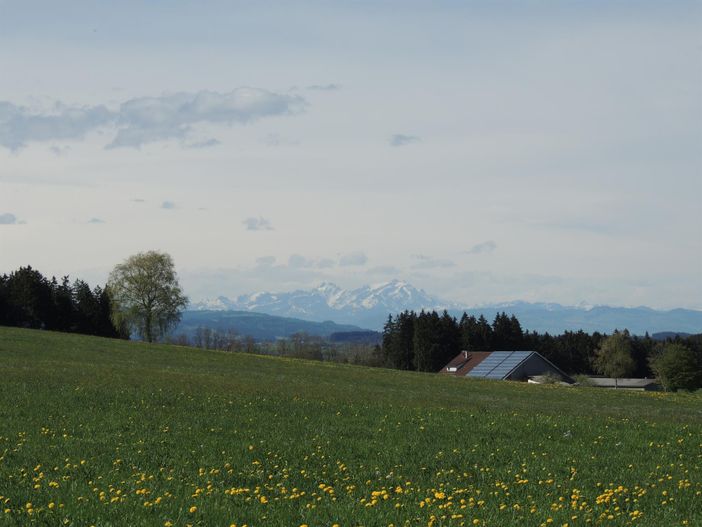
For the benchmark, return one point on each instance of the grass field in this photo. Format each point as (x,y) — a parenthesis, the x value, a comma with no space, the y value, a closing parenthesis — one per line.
(102,432)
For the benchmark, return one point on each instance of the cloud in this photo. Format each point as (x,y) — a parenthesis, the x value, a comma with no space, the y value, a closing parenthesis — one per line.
(428,262)
(8,219)
(324,87)
(385,270)
(352,259)
(19,125)
(96,220)
(257,224)
(146,119)
(265,261)
(325,263)
(205,144)
(277,140)
(402,140)
(297,261)
(143,120)
(60,150)
(168,205)
(482,248)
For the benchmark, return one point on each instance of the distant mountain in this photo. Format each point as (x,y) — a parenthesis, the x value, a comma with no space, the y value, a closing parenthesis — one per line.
(665,335)
(556,318)
(369,307)
(258,325)
(357,337)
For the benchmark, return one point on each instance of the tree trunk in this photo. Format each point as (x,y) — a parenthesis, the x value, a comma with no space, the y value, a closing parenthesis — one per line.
(148,328)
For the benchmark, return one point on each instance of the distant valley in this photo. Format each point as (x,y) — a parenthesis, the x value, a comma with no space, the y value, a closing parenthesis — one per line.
(260,326)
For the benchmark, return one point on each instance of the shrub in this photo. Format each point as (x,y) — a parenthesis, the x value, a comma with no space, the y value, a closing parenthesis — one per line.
(677,367)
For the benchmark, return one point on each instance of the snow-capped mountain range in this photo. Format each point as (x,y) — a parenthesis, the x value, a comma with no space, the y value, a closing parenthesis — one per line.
(369,307)
(362,306)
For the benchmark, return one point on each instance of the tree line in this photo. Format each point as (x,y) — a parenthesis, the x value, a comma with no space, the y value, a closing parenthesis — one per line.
(142,297)
(28,299)
(427,341)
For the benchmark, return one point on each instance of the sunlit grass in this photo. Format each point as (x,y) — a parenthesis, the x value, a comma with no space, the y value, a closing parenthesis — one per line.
(102,432)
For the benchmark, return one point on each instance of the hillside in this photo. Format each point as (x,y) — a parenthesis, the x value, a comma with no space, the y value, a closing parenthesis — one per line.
(257,325)
(98,431)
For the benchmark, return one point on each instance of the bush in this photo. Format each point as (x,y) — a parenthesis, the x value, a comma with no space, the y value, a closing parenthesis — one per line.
(677,368)
(584,380)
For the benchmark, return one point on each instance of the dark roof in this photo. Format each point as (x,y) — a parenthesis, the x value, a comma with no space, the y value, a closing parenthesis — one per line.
(494,364)
(464,362)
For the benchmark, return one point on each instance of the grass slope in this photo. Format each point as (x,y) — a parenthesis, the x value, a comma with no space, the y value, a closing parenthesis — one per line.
(103,432)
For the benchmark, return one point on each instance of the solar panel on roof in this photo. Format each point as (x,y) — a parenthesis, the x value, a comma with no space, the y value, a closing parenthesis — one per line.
(499,364)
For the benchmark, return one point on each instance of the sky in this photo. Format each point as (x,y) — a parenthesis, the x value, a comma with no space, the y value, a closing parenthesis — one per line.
(482,151)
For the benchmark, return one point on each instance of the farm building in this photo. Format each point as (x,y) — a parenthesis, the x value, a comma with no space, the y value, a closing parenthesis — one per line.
(648,385)
(503,365)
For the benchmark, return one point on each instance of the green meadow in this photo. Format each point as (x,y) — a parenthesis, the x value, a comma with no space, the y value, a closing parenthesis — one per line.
(104,432)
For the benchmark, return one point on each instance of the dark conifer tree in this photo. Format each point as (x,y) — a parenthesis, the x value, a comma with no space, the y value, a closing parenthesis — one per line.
(63,310)
(449,341)
(404,344)
(28,299)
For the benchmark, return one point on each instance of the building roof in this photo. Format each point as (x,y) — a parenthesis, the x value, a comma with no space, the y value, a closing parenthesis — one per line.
(495,364)
(464,362)
(499,364)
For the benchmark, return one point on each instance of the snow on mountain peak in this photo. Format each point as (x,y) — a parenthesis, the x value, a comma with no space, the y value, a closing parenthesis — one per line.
(328,299)
(328,288)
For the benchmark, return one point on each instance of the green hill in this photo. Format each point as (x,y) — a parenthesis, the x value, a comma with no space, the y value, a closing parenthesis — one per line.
(256,325)
(103,432)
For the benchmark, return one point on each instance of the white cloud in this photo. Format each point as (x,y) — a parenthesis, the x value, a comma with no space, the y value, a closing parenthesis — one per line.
(143,120)
(481,248)
(353,259)
(20,125)
(297,261)
(8,219)
(428,262)
(324,87)
(326,263)
(265,261)
(384,270)
(205,144)
(257,224)
(59,150)
(146,119)
(402,139)
(277,140)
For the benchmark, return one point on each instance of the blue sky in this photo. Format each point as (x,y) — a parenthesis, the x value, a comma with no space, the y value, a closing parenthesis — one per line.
(484,152)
